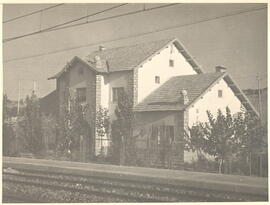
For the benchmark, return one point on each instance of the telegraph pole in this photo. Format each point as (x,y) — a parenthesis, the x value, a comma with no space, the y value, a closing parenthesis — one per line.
(34,86)
(260,111)
(259,94)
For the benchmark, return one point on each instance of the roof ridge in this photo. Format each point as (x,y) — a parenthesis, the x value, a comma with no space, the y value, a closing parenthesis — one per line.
(155,97)
(136,44)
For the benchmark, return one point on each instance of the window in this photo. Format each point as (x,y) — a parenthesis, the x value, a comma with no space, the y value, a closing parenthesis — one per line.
(220,93)
(154,132)
(157,79)
(116,93)
(81,94)
(170,134)
(171,63)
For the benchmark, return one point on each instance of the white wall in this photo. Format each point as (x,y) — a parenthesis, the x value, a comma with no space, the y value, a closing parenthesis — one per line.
(211,102)
(159,66)
(117,79)
(104,91)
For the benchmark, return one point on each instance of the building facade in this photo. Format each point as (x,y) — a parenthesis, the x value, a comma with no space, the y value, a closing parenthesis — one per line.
(167,88)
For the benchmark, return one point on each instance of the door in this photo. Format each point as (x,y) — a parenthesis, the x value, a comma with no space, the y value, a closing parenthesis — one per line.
(160,146)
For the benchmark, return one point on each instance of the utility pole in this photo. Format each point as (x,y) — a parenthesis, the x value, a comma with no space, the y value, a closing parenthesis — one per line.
(260,111)
(34,86)
(19,96)
(259,94)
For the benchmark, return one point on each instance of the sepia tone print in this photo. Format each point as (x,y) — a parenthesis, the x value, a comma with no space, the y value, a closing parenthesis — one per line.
(135,102)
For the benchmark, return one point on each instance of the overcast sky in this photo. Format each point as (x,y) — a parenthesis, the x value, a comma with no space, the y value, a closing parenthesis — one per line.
(238,42)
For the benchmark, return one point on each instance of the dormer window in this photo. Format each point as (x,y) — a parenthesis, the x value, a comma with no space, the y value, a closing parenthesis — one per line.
(171,63)
(157,79)
(220,93)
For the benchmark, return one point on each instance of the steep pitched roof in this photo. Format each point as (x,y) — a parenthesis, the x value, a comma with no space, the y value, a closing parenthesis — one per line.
(127,57)
(168,96)
(131,56)
(69,65)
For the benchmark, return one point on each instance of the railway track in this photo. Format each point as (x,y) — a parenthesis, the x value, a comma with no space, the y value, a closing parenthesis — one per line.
(111,189)
(14,197)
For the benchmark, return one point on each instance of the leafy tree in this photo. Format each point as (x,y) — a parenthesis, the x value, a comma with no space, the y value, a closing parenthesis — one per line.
(226,137)
(220,136)
(73,127)
(49,127)
(252,138)
(122,130)
(30,123)
(194,140)
(8,131)
(102,126)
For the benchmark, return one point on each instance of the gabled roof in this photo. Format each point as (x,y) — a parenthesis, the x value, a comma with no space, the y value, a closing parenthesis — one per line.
(168,96)
(129,57)
(69,66)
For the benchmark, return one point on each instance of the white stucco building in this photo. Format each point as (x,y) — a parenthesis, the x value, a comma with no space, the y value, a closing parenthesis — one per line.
(168,90)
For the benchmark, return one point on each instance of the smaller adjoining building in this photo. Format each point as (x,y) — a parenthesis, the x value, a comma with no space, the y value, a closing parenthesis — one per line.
(181,102)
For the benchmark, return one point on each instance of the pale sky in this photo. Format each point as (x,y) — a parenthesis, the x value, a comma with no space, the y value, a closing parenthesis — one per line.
(238,42)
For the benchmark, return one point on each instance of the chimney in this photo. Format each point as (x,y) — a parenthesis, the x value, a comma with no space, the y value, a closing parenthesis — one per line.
(184,94)
(98,62)
(101,48)
(220,69)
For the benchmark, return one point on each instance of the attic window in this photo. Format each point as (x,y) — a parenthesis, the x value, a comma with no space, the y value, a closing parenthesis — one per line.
(220,94)
(171,63)
(157,79)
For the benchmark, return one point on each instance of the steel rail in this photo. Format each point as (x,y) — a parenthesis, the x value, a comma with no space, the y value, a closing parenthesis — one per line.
(130,186)
(103,194)
(155,189)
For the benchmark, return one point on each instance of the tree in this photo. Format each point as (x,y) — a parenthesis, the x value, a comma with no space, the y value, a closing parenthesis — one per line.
(49,128)
(252,135)
(122,130)
(102,126)
(73,127)
(217,137)
(8,131)
(226,137)
(194,139)
(30,122)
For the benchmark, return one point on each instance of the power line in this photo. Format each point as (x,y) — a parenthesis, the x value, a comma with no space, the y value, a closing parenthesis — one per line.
(56,27)
(32,13)
(115,16)
(134,35)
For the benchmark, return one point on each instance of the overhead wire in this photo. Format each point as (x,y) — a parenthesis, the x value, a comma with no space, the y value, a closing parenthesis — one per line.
(32,13)
(136,35)
(58,25)
(61,26)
